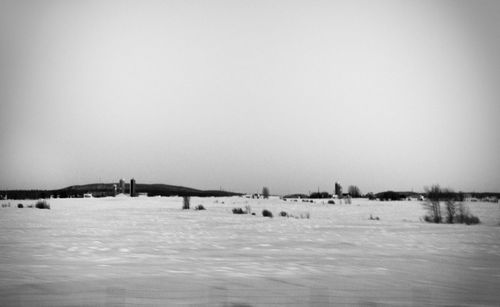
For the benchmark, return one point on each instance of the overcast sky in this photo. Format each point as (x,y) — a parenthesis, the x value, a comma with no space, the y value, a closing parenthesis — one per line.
(293,95)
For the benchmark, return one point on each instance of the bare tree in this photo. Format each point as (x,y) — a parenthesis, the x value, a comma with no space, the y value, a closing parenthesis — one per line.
(186,202)
(451,210)
(432,205)
(265,192)
(354,191)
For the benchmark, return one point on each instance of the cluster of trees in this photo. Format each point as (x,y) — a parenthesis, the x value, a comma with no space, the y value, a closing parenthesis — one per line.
(354,191)
(389,195)
(320,195)
(455,210)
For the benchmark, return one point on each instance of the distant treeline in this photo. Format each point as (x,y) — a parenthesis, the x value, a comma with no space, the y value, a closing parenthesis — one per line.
(25,194)
(313,195)
(393,195)
(108,189)
(444,194)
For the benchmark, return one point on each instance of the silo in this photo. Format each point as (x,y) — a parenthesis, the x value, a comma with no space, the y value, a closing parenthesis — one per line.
(133,191)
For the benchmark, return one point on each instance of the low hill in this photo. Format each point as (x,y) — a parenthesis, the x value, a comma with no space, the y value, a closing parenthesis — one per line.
(108,189)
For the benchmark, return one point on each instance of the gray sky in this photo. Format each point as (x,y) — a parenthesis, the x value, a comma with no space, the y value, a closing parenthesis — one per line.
(293,95)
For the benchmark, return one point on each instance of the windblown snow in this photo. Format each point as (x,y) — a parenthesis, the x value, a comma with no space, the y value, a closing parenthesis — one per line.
(148,251)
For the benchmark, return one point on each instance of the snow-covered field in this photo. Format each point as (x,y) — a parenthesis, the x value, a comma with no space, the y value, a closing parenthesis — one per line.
(147,251)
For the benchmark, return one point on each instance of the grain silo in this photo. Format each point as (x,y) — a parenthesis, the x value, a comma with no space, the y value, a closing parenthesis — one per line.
(133,191)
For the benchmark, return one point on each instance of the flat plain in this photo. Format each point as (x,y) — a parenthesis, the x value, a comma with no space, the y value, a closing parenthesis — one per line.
(148,251)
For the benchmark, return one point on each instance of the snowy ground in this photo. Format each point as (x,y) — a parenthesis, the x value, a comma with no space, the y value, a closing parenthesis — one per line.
(147,251)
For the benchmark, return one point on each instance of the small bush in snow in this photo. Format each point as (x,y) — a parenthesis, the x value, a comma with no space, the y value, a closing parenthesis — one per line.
(199,208)
(432,205)
(42,204)
(304,215)
(238,211)
(471,220)
(463,216)
(267,213)
(20,206)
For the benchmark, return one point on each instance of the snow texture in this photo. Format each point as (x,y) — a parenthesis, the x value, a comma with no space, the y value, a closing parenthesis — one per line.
(148,251)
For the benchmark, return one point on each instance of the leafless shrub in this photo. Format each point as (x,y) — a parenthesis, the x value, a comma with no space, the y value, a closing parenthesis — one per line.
(432,205)
(267,213)
(303,215)
(42,204)
(464,216)
(450,211)
(238,211)
(455,212)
